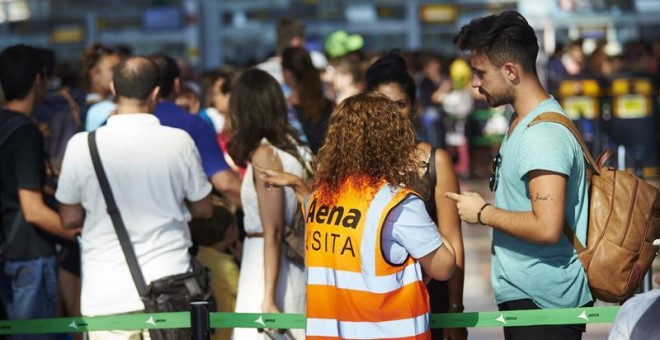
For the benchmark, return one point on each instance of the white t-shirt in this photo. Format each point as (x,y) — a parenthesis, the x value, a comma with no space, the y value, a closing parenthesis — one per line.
(152,170)
(273,66)
(631,311)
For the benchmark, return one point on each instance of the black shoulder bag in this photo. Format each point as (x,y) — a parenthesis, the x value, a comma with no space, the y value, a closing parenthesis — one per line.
(169,294)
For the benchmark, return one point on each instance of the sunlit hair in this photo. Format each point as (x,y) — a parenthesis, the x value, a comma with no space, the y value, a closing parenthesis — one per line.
(367,141)
(90,58)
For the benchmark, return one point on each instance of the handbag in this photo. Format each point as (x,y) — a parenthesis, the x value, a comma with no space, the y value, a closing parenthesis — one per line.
(294,233)
(294,237)
(172,293)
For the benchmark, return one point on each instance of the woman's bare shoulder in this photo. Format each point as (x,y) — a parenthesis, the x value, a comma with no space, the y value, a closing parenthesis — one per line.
(265,156)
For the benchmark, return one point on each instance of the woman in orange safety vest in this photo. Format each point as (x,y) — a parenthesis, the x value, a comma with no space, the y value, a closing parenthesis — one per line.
(368,235)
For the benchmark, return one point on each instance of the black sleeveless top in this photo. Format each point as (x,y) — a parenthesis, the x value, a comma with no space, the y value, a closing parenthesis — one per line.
(429,177)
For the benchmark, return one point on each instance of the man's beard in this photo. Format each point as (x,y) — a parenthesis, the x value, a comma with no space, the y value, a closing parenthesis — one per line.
(495,101)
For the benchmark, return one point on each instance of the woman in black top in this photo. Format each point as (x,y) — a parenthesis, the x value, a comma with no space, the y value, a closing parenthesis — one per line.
(389,75)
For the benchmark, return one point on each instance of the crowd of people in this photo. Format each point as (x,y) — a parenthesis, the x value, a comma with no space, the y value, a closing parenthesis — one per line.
(215,169)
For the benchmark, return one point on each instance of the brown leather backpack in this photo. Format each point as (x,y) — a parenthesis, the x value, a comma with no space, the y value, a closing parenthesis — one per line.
(624,219)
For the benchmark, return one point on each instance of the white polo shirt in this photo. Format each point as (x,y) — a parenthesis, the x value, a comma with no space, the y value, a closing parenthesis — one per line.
(152,170)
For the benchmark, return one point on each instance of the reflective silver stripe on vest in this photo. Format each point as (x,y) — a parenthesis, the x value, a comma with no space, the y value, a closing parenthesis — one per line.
(356,281)
(368,330)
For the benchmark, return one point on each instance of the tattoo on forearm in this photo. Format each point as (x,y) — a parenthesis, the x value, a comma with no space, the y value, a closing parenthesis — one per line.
(538,197)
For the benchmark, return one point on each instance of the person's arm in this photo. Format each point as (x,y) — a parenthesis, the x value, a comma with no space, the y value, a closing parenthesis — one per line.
(450,224)
(228,183)
(410,226)
(439,94)
(72,216)
(450,227)
(544,224)
(271,212)
(274,178)
(439,263)
(202,208)
(38,213)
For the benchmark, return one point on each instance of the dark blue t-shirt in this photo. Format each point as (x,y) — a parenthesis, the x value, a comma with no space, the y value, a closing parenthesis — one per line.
(213,160)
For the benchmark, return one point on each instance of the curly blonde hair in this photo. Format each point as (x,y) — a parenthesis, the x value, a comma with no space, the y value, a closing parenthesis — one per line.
(368,140)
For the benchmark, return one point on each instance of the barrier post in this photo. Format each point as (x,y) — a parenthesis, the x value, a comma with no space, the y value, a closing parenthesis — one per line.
(199,320)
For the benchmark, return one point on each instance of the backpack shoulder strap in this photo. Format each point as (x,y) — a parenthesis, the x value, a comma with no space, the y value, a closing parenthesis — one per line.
(554,117)
(10,126)
(73,107)
(579,247)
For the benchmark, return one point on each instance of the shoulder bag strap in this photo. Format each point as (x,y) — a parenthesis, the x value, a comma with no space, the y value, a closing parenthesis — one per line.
(73,106)
(117,221)
(554,117)
(308,171)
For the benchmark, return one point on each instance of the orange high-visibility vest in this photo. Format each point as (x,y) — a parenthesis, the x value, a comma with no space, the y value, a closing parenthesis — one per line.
(353,292)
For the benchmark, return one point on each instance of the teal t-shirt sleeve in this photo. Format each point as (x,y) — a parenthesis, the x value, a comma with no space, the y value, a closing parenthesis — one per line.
(546,146)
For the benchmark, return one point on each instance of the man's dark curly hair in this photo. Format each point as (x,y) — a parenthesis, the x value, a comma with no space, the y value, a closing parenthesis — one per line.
(502,38)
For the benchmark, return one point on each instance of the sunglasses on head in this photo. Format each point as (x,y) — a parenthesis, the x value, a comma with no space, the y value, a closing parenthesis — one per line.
(495,176)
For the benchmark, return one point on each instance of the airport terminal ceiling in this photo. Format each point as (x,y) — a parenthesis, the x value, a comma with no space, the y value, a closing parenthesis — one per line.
(208,32)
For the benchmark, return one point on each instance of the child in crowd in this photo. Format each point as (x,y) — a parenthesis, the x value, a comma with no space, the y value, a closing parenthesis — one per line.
(189,100)
(217,238)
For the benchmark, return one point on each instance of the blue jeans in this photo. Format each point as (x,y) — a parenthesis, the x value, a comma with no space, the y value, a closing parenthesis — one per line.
(28,289)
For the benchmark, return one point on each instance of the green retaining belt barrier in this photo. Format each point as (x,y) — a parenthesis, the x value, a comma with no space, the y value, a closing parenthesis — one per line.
(249,320)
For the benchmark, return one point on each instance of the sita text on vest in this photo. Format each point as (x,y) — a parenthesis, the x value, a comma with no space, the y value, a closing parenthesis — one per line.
(330,239)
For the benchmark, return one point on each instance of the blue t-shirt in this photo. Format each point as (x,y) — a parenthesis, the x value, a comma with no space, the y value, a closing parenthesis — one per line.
(98,114)
(549,274)
(213,160)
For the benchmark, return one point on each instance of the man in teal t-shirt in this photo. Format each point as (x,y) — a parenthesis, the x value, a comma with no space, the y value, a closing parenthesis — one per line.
(539,181)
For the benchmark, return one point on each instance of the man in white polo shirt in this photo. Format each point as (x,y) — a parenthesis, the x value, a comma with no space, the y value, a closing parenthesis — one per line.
(158,183)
